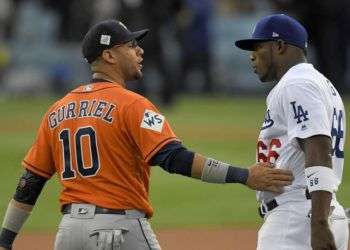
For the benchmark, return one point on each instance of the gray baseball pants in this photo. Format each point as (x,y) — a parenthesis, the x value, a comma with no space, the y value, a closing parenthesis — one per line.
(82,229)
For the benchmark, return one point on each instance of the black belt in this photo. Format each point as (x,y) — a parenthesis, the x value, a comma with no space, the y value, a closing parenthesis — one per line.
(98,210)
(267,207)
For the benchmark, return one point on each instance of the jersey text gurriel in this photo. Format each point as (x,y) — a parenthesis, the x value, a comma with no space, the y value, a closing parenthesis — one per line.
(97,108)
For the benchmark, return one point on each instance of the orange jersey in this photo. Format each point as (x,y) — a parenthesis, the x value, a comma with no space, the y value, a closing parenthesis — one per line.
(99,139)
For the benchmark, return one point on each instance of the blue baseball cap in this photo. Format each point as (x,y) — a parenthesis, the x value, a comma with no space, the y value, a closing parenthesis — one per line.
(275,27)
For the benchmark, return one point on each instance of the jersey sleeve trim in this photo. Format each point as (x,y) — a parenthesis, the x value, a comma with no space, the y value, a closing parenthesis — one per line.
(84,92)
(159,146)
(35,170)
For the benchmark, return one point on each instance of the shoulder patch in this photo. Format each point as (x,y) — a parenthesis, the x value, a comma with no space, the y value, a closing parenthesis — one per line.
(152,120)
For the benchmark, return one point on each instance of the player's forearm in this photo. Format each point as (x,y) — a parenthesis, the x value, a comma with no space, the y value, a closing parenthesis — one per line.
(174,158)
(321,180)
(15,217)
(20,207)
(197,166)
(321,201)
(214,171)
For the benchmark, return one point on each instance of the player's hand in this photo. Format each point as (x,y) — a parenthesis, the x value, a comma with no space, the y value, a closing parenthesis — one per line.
(263,177)
(322,237)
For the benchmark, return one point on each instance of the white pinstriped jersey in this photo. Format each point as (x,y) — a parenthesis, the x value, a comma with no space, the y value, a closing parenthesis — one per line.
(303,103)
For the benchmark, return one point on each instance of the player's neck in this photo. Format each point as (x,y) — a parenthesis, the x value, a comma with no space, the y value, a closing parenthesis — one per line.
(110,78)
(285,66)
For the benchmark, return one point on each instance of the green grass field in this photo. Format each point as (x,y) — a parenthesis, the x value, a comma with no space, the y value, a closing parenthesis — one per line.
(225,128)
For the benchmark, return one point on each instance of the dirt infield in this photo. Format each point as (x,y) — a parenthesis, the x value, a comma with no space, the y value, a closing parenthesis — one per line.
(181,239)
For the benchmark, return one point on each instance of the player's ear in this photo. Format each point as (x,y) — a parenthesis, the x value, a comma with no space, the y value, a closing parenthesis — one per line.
(109,56)
(281,46)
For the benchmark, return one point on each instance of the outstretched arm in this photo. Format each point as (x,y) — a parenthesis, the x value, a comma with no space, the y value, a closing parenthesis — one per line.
(321,183)
(20,207)
(174,158)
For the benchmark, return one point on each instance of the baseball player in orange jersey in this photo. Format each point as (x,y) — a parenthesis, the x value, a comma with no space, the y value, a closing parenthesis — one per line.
(101,140)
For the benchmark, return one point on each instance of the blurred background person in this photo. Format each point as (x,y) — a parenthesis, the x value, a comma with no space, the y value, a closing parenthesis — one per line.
(194,35)
(155,14)
(74,17)
(7,10)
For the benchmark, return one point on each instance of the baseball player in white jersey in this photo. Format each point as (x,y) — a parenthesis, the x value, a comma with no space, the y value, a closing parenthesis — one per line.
(304,131)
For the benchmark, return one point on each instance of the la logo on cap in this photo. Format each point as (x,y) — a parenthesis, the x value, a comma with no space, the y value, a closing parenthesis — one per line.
(274,34)
(105,39)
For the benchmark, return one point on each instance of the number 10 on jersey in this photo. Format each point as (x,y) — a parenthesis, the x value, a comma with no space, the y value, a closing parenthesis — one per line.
(69,172)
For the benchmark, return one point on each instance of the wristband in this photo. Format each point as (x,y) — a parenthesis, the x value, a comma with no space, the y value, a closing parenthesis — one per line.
(237,175)
(320,178)
(215,171)
(7,238)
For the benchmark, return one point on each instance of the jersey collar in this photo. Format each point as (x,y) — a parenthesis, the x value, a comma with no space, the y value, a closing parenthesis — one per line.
(95,80)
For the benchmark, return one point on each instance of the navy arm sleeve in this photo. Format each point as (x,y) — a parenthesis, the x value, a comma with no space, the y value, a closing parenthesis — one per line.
(174,158)
(29,188)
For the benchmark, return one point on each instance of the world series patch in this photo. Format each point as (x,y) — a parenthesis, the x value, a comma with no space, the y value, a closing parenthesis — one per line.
(152,120)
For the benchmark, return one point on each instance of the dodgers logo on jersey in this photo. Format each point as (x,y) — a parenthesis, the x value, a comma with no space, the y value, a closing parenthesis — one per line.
(152,120)
(268,122)
(299,114)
